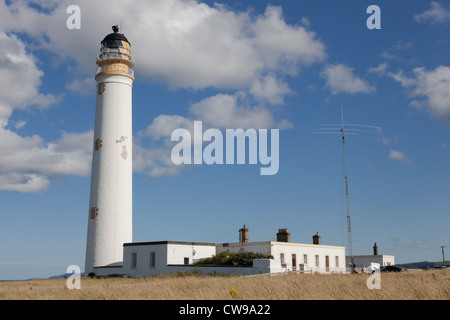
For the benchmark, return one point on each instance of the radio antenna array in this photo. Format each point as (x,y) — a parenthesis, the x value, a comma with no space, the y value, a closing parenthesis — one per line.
(343,130)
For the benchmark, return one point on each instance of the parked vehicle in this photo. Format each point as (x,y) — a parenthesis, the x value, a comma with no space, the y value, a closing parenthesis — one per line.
(372,268)
(437,266)
(392,269)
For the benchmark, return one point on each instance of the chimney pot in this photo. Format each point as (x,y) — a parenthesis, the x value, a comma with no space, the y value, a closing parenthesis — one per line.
(243,234)
(316,238)
(283,235)
(375,249)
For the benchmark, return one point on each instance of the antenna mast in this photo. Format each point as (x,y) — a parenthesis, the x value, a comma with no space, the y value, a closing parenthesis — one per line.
(342,130)
(349,225)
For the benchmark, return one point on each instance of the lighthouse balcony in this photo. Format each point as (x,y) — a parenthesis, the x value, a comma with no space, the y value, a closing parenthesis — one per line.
(114,55)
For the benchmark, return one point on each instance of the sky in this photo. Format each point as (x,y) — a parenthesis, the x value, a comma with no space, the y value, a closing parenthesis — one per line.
(287,65)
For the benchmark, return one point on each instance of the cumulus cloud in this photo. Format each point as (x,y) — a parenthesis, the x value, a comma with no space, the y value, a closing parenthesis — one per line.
(27,163)
(399,156)
(433,85)
(222,111)
(271,89)
(341,79)
(437,13)
(380,69)
(184,44)
(83,87)
(25,183)
(21,77)
(198,46)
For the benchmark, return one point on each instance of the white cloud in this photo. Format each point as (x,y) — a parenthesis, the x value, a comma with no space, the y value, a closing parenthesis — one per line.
(25,183)
(180,43)
(399,156)
(222,111)
(340,79)
(31,156)
(155,162)
(387,141)
(437,13)
(270,89)
(21,79)
(380,69)
(27,163)
(228,111)
(85,86)
(184,44)
(434,85)
(163,125)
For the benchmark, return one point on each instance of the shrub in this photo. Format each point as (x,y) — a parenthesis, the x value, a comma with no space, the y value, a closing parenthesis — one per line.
(227,258)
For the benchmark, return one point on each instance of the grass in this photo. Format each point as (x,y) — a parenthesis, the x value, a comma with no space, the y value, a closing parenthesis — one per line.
(410,285)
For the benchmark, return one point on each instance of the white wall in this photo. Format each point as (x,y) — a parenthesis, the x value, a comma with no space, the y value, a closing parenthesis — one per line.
(365,261)
(311,251)
(170,258)
(111,179)
(299,249)
(166,254)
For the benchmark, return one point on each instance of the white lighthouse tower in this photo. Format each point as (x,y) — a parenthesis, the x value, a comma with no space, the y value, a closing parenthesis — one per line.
(110,206)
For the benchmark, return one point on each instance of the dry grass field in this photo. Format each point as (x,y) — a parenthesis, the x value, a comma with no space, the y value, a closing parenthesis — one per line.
(410,285)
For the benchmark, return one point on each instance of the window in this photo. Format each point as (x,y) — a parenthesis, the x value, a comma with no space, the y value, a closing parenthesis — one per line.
(98,144)
(317,261)
(100,88)
(93,212)
(133,260)
(186,260)
(152,260)
(337,261)
(305,259)
(282,258)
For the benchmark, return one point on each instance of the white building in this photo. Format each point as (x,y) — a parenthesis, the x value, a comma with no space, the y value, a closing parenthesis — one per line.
(364,261)
(164,257)
(291,256)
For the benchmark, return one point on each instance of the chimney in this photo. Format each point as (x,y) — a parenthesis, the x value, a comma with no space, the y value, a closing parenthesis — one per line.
(283,235)
(243,235)
(316,238)
(375,249)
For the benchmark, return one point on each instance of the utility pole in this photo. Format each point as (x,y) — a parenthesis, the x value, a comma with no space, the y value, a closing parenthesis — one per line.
(443,258)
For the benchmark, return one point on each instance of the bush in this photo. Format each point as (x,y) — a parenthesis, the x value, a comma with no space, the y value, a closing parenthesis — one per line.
(237,259)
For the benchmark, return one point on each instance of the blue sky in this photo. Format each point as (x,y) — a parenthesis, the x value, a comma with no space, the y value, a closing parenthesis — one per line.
(288,65)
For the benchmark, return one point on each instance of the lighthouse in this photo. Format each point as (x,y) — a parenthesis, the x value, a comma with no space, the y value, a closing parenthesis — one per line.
(110,204)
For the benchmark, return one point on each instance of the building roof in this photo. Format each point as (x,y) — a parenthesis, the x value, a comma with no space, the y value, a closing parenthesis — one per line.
(278,243)
(115,36)
(168,242)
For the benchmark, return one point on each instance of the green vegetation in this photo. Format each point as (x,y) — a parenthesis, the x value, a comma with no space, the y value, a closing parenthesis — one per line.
(237,259)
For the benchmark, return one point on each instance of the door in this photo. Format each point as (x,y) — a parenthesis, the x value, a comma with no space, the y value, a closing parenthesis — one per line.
(294,262)
(327,263)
